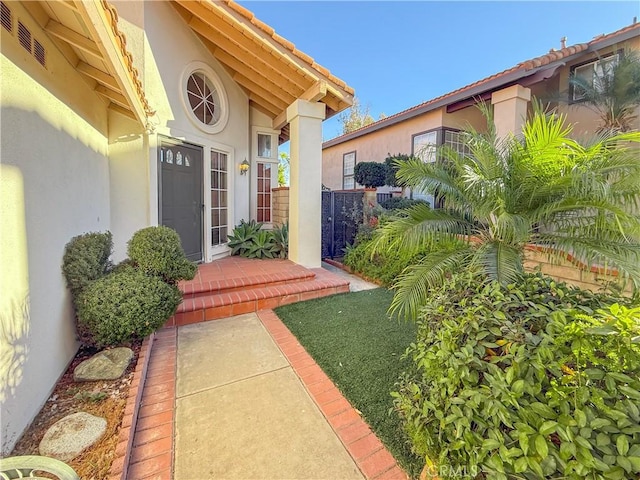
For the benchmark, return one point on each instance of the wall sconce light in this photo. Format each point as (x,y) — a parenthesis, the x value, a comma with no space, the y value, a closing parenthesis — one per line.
(244,167)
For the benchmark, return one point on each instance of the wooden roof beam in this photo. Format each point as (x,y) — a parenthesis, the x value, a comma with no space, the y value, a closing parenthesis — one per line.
(273,109)
(98,75)
(114,97)
(317,92)
(229,28)
(73,38)
(265,65)
(247,31)
(263,92)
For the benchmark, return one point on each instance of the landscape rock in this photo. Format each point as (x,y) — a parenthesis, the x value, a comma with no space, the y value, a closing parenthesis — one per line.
(105,365)
(69,437)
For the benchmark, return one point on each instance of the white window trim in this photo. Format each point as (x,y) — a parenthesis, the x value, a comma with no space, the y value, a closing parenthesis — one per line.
(207,71)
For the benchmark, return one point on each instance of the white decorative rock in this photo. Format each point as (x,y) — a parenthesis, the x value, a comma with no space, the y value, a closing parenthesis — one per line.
(105,365)
(69,437)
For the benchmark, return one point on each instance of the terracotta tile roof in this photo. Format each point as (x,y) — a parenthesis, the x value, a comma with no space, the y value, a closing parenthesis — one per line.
(112,15)
(546,59)
(269,31)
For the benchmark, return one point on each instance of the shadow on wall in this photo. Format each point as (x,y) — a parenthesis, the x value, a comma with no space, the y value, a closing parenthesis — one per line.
(14,285)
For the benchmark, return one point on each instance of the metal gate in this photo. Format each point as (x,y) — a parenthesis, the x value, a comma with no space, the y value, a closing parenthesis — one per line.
(341,215)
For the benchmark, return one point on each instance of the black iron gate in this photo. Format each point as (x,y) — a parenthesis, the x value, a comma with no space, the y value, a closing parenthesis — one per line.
(341,215)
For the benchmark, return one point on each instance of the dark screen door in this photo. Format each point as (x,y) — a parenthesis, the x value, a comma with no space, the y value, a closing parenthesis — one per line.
(180,192)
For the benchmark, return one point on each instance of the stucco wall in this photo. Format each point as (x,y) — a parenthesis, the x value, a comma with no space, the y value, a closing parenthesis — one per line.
(54,181)
(376,146)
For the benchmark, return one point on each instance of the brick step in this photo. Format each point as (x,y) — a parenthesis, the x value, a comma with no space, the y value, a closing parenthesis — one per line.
(221,305)
(193,290)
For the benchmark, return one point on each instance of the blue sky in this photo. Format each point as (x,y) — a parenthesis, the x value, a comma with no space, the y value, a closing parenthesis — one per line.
(399,54)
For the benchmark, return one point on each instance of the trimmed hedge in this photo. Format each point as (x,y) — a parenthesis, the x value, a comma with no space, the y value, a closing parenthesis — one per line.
(370,174)
(158,251)
(126,305)
(534,380)
(400,203)
(86,259)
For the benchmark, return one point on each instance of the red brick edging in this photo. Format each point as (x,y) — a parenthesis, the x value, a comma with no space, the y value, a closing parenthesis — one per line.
(371,456)
(119,466)
(153,437)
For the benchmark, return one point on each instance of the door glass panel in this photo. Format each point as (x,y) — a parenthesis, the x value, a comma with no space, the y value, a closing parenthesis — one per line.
(219,198)
(264,192)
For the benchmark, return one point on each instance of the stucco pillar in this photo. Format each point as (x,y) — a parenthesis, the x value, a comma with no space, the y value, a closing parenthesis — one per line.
(305,180)
(510,109)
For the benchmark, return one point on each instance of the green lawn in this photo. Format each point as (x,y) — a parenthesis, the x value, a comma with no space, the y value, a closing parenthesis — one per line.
(359,347)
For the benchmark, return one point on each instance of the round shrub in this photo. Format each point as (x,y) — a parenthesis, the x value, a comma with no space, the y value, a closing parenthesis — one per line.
(86,259)
(157,251)
(125,305)
(534,380)
(370,174)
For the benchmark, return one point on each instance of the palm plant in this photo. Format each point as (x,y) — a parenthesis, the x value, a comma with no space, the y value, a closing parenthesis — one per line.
(613,92)
(543,188)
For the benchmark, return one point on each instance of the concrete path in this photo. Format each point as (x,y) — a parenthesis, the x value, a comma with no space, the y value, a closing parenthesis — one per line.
(356,284)
(241,411)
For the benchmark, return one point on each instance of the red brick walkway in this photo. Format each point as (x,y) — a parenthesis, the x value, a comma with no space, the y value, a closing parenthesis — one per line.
(152,454)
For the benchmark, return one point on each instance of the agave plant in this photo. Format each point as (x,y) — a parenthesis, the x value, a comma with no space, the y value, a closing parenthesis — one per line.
(242,238)
(543,188)
(281,239)
(262,245)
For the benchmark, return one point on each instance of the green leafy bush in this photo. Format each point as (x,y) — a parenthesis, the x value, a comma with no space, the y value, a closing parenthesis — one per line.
(534,380)
(158,251)
(400,203)
(126,305)
(86,259)
(370,174)
(384,267)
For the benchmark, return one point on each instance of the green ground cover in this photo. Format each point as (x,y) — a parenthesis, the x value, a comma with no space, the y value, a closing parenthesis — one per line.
(359,347)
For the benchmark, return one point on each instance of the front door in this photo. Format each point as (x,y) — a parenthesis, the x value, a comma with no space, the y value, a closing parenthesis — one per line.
(180,193)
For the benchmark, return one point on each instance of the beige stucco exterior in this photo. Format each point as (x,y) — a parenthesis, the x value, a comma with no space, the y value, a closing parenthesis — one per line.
(54,184)
(377,146)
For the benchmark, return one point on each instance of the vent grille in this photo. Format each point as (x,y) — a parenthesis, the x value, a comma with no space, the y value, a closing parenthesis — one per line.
(24,36)
(39,53)
(6,17)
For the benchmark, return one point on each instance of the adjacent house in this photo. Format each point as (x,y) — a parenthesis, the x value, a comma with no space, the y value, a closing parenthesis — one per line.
(124,115)
(438,121)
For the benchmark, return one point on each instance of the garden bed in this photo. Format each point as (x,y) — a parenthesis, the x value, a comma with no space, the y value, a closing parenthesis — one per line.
(113,400)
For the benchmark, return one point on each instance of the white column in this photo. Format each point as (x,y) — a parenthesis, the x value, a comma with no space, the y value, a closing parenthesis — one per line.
(510,109)
(305,179)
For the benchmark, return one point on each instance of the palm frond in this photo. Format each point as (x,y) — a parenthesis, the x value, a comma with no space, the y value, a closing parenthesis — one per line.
(413,284)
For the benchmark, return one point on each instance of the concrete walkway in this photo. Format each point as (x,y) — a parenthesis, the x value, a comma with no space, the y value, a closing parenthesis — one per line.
(356,284)
(242,412)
